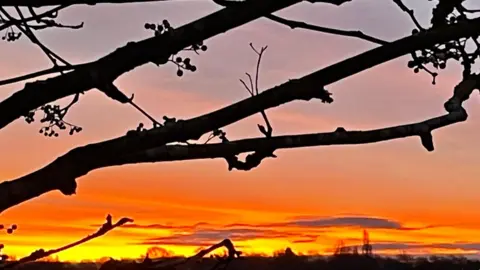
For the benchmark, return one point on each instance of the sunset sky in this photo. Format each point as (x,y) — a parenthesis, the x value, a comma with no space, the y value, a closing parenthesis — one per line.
(307,199)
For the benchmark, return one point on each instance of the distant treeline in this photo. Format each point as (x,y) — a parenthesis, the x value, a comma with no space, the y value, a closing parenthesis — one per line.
(340,262)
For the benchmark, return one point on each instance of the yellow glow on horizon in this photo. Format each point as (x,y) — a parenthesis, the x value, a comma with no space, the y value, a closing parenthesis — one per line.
(121,244)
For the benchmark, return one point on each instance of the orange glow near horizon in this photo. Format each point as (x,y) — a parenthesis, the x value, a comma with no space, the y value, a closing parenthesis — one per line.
(253,231)
(119,244)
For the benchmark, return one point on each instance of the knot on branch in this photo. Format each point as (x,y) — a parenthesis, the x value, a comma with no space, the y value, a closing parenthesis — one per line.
(324,96)
(306,90)
(109,89)
(462,92)
(68,186)
(427,140)
(251,161)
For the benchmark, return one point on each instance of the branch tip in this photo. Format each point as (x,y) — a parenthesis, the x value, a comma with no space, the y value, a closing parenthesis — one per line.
(427,141)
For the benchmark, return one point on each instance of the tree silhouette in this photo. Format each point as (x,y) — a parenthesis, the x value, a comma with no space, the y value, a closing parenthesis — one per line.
(430,47)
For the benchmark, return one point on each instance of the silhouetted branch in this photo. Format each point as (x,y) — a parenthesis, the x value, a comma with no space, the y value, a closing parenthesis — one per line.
(410,13)
(61,174)
(296,24)
(253,90)
(84,159)
(180,263)
(42,3)
(36,74)
(187,262)
(53,176)
(48,13)
(254,159)
(24,28)
(124,59)
(263,146)
(339,137)
(157,50)
(38,254)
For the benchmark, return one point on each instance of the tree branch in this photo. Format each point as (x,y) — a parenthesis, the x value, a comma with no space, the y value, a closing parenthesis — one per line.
(36,74)
(181,263)
(338,137)
(157,49)
(410,13)
(264,147)
(61,174)
(296,24)
(39,254)
(47,13)
(24,186)
(43,3)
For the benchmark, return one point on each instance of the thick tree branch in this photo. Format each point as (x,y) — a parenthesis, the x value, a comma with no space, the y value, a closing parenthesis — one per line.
(157,49)
(87,76)
(338,137)
(36,74)
(42,3)
(456,113)
(61,174)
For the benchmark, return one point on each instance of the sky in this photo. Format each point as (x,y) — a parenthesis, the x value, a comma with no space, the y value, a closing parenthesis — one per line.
(308,199)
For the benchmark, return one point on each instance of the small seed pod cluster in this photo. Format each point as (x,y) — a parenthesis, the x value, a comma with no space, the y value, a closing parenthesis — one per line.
(198,47)
(9,230)
(439,55)
(184,64)
(464,50)
(11,36)
(181,63)
(159,29)
(53,117)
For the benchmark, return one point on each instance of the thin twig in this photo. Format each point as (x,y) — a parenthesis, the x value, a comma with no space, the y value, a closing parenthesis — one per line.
(12,22)
(38,254)
(296,24)
(410,13)
(44,72)
(142,111)
(269,130)
(27,31)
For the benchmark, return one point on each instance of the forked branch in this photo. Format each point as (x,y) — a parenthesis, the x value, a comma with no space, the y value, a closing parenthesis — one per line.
(347,33)
(254,159)
(158,49)
(179,264)
(62,173)
(456,113)
(410,13)
(39,254)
